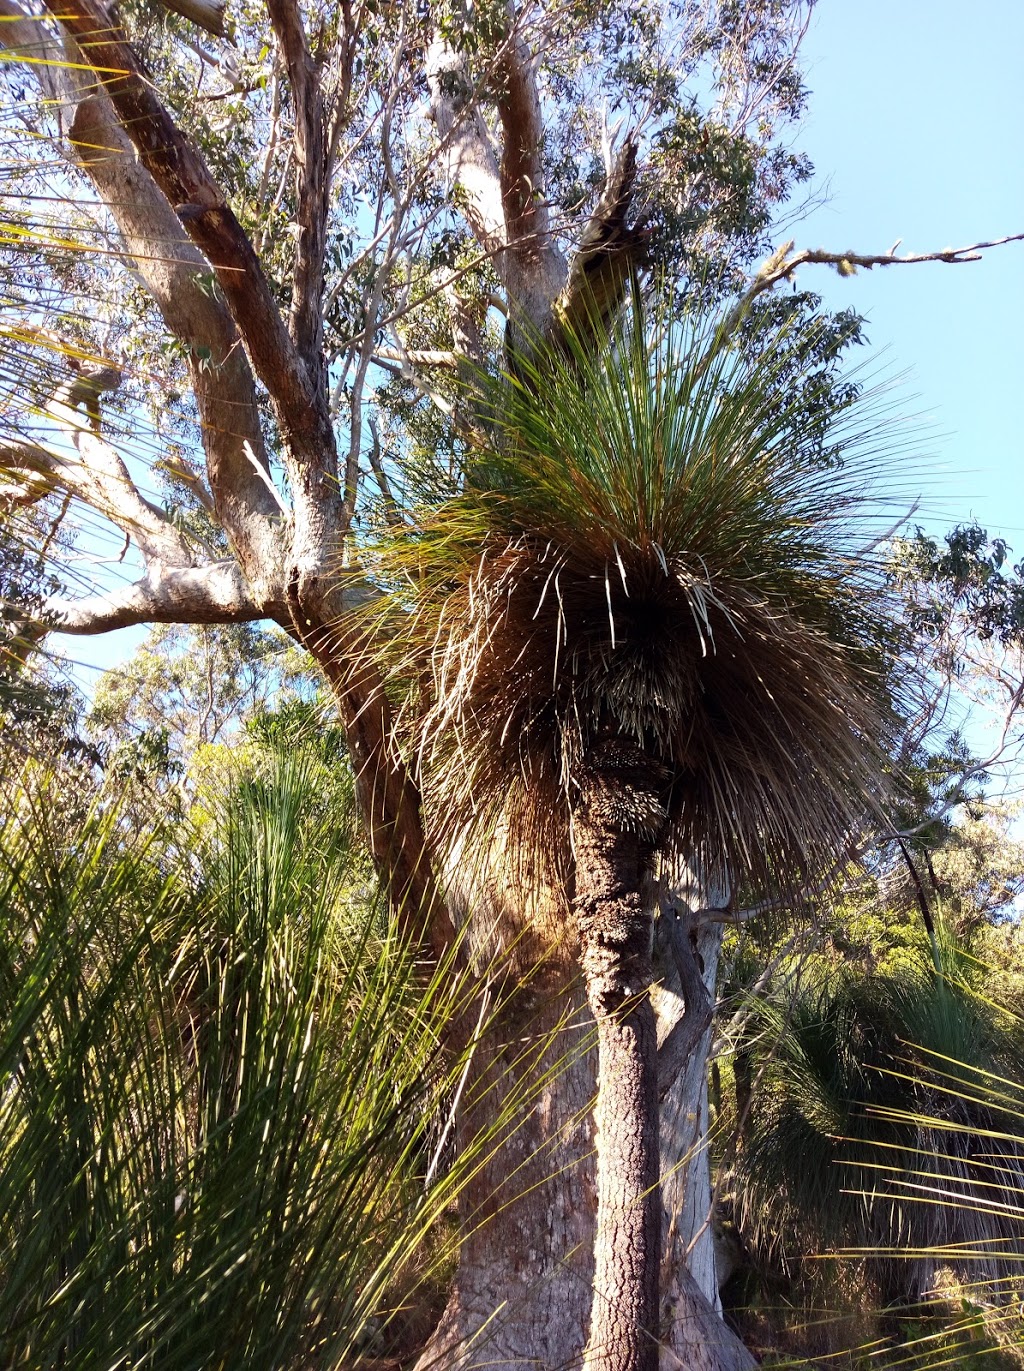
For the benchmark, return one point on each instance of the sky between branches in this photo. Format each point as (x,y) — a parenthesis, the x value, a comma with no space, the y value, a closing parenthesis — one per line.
(913,126)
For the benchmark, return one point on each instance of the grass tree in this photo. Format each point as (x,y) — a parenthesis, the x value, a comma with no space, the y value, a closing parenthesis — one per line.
(644,642)
(221,1085)
(884,1128)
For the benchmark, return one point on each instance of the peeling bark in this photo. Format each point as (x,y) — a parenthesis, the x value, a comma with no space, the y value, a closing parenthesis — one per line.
(178,169)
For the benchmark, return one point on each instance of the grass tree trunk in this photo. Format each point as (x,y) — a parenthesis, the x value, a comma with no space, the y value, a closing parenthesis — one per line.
(615,935)
(523,1291)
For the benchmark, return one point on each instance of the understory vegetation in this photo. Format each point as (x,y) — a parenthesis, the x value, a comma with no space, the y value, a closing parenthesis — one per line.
(226,1111)
(222,1094)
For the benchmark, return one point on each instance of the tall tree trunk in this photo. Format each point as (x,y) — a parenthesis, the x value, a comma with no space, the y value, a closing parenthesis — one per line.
(615,936)
(522,1292)
(688,1238)
(694,1336)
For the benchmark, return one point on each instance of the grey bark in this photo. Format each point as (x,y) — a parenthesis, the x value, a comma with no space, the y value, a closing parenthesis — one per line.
(688,1237)
(522,1292)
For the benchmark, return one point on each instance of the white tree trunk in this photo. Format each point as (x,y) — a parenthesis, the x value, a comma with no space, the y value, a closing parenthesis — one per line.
(688,1236)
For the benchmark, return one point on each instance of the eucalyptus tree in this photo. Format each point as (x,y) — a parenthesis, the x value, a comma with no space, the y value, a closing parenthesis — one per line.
(288,233)
(196,685)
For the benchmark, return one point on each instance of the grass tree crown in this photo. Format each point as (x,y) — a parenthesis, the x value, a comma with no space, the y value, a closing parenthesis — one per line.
(647,548)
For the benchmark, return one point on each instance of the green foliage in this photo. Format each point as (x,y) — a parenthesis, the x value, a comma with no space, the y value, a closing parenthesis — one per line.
(218,1077)
(649,538)
(969,578)
(36,710)
(874,1093)
(188,687)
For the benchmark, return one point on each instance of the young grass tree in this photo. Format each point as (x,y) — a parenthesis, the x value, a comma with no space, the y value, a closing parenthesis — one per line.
(648,646)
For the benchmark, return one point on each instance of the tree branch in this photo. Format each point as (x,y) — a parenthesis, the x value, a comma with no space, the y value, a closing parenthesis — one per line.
(207,14)
(186,182)
(783,262)
(609,249)
(472,161)
(502,196)
(212,594)
(419,357)
(177,276)
(674,935)
(387,793)
(392,514)
(100,478)
(312,187)
(539,265)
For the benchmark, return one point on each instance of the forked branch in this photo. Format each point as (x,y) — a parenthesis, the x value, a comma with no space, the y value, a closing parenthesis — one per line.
(187,183)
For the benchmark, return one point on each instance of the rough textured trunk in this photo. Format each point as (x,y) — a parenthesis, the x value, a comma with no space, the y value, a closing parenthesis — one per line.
(696,1338)
(623,1328)
(615,935)
(522,1292)
(693,1334)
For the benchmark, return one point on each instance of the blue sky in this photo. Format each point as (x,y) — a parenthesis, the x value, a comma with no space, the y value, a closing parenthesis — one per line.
(914,125)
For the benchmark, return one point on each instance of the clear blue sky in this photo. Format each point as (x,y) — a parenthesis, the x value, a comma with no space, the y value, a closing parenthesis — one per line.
(915,125)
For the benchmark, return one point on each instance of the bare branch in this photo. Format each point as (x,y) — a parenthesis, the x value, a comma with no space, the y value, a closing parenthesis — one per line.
(213,594)
(609,249)
(392,514)
(783,262)
(177,276)
(207,14)
(419,357)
